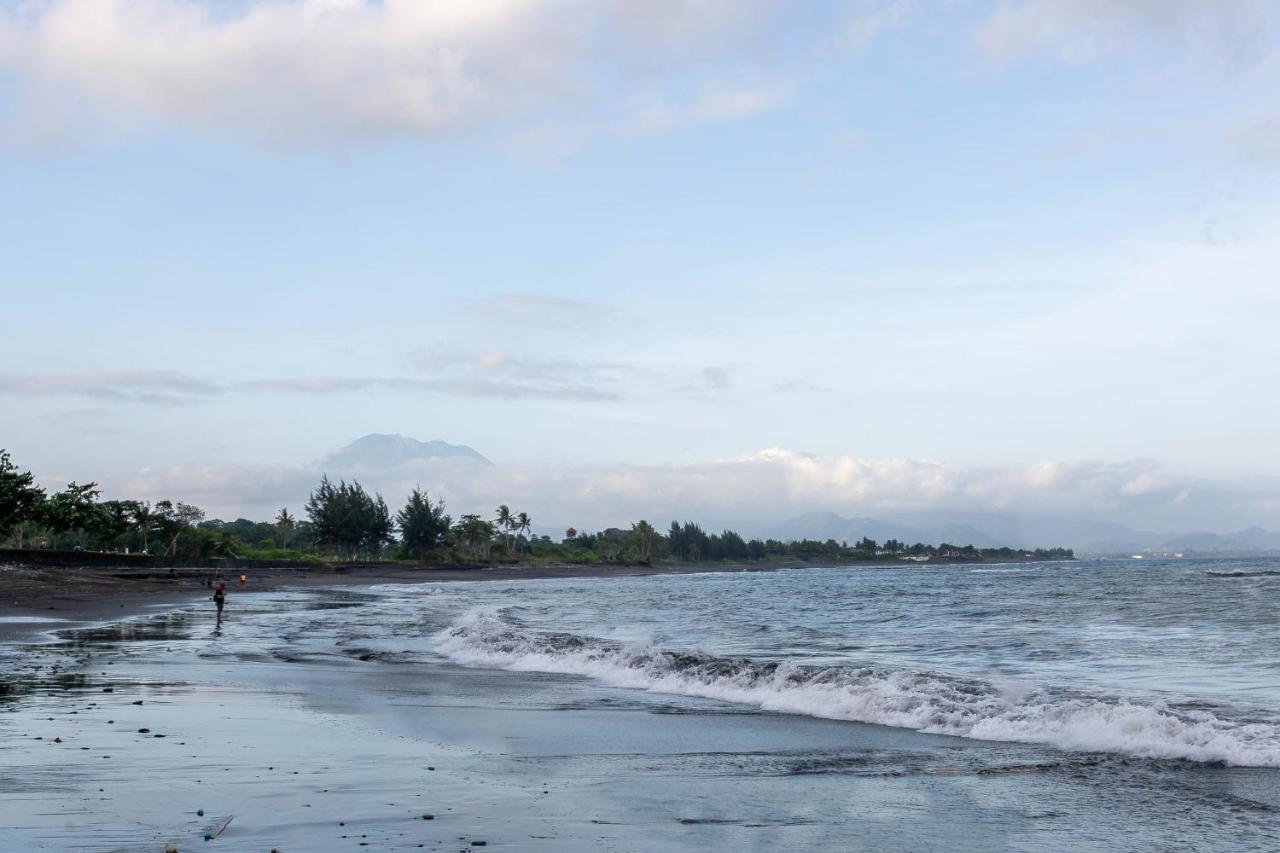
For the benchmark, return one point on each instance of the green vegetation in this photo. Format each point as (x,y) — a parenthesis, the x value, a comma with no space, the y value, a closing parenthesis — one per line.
(344,522)
(424,527)
(348,522)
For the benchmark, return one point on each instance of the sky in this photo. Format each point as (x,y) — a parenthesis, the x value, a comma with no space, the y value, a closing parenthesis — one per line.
(688,255)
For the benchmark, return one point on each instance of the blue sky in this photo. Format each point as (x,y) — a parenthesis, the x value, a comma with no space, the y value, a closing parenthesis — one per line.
(628,239)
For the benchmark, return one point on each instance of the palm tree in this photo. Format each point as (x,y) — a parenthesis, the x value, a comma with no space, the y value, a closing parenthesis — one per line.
(284,526)
(522,523)
(224,546)
(505,521)
(143,518)
(645,537)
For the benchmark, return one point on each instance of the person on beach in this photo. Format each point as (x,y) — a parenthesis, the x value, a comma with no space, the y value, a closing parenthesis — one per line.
(219,599)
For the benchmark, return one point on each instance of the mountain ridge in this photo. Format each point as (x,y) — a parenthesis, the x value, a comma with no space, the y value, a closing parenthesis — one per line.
(991,530)
(390,450)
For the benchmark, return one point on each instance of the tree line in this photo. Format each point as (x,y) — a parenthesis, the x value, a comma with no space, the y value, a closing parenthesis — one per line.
(344,521)
(689,542)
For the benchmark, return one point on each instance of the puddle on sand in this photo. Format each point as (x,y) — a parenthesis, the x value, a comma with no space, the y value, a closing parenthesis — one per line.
(167,626)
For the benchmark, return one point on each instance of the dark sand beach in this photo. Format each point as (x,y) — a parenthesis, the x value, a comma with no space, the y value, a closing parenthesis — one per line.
(32,597)
(308,722)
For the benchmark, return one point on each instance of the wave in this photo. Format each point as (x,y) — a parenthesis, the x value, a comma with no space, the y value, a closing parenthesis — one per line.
(923,701)
(1257,574)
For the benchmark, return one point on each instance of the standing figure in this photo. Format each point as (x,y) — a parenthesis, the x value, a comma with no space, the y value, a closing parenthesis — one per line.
(219,599)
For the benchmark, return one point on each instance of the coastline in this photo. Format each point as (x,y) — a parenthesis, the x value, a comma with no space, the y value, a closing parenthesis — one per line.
(67,597)
(75,596)
(164,734)
(323,721)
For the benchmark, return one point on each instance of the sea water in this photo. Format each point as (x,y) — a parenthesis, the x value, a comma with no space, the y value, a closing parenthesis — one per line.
(1176,660)
(1092,705)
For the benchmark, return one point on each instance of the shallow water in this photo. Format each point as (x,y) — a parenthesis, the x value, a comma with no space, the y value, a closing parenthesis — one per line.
(1095,706)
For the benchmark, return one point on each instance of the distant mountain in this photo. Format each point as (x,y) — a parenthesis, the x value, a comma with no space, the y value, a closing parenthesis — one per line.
(829,525)
(1034,531)
(826,525)
(1256,537)
(1201,542)
(379,451)
(1249,539)
(993,530)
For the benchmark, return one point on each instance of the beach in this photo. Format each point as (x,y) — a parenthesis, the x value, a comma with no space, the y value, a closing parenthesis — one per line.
(370,713)
(83,595)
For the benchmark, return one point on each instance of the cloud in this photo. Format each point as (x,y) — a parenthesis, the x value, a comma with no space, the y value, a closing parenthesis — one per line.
(800,386)
(312,384)
(866,27)
(716,379)
(1258,140)
(1076,30)
(707,381)
(226,491)
(484,372)
(137,386)
(483,375)
(176,388)
(496,389)
(476,387)
(675,26)
(1179,294)
(756,490)
(293,70)
(716,101)
(538,310)
(325,72)
(584,378)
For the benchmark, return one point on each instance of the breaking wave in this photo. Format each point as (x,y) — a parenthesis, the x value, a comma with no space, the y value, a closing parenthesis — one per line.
(923,701)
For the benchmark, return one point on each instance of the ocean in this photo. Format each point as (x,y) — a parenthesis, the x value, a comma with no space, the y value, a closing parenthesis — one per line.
(1156,659)
(1092,705)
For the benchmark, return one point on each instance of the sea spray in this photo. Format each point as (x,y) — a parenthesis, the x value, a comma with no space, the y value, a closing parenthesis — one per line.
(931,702)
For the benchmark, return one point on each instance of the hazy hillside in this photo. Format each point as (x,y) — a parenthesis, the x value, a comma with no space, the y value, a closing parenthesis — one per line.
(380,451)
(994,530)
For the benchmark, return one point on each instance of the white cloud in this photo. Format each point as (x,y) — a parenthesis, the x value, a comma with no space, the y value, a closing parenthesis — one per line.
(539,310)
(325,72)
(1076,30)
(759,489)
(714,102)
(293,69)
(504,379)
(866,27)
(472,386)
(139,386)
(1172,294)
(225,491)
(1258,140)
(486,374)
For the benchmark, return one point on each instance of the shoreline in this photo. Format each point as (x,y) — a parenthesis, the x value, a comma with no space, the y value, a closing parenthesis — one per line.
(351,730)
(425,755)
(70,596)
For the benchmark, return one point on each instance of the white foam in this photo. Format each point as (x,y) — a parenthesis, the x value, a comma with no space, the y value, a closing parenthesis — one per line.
(28,620)
(926,702)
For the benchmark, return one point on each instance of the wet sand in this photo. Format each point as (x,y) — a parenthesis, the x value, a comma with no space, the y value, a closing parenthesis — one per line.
(29,595)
